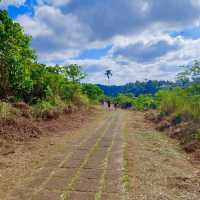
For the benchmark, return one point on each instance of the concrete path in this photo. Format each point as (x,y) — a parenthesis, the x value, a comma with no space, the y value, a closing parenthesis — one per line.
(91,170)
(119,156)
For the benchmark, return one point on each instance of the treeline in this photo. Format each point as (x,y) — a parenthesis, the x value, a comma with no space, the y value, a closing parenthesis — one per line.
(184,80)
(138,88)
(45,87)
(184,101)
(178,107)
(180,96)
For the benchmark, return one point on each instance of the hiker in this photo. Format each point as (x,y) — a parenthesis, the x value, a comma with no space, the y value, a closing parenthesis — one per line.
(109,104)
(115,106)
(105,104)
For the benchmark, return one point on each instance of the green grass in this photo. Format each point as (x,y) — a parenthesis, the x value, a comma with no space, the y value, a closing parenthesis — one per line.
(181,102)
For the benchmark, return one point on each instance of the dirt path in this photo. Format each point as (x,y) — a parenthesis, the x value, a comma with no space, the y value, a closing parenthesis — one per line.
(156,166)
(117,157)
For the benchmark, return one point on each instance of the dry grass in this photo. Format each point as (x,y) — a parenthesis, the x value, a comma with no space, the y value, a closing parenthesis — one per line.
(7,111)
(157,167)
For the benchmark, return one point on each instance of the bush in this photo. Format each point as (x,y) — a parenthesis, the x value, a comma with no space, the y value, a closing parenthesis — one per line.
(181,102)
(93,92)
(141,102)
(182,108)
(45,110)
(144,102)
(23,78)
(81,101)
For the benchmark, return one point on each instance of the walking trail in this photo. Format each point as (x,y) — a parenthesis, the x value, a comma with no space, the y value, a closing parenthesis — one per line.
(120,157)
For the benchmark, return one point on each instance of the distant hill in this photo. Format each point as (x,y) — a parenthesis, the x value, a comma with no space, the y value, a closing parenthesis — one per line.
(137,88)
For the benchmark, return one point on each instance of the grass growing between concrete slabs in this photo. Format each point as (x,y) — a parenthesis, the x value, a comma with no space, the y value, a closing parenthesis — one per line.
(126,178)
(70,187)
(98,195)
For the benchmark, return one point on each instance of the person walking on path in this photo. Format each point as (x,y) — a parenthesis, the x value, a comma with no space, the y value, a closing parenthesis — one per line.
(109,104)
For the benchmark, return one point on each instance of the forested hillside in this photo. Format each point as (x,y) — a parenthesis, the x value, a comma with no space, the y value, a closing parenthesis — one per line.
(138,88)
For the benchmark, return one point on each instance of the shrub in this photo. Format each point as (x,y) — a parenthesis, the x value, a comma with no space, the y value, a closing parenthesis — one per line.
(93,92)
(141,102)
(181,102)
(45,110)
(80,100)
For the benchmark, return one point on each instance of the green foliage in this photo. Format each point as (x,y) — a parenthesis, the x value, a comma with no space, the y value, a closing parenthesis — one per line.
(74,72)
(145,102)
(22,78)
(108,74)
(141,102)
(125,101)
(93,92)
(15,58)
(191,72)
(182,102)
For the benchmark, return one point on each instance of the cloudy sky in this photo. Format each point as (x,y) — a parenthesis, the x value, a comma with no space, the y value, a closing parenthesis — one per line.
(136,39)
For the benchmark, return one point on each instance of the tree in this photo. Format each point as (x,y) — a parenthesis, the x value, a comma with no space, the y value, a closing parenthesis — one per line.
(195,71)
(190,73)
(74,73)
(182,79)
(15,58)
(93,92)
(108,74)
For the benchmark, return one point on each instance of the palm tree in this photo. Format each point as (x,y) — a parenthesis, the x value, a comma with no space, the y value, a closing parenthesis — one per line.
(108,74)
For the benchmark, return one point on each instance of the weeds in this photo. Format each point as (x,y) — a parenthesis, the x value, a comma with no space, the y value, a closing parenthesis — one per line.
(7,111)
(181,103)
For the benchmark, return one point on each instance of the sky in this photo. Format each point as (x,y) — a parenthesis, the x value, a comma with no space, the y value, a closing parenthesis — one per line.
(136,39)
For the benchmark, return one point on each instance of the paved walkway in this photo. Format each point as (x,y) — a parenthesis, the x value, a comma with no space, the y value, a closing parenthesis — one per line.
(92,170)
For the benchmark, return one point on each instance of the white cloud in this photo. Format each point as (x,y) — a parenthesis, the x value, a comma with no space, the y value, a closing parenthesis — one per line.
(55,35)
(61,29)
(56,3)
(17,3)
(33,27)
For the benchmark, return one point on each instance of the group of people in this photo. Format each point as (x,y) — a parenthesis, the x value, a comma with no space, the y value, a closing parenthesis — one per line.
(108,104)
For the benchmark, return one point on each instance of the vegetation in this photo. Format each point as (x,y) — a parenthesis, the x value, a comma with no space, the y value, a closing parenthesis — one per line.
(108,74)
(183,101)
(93,92)
(138,88)
(52,90)
(48,89)
(141,102)
(180,107)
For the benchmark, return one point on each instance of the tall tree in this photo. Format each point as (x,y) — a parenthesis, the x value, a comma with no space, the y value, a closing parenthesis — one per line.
(15,58)
(108,74)
(191,72)
(74,72)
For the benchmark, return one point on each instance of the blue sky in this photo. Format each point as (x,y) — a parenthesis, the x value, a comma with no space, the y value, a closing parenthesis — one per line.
(136,39)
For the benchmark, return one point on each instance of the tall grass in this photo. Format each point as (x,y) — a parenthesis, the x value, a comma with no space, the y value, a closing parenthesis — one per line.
(182,102)
(7,111)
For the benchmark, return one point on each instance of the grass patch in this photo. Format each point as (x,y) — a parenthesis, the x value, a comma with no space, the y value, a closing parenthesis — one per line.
(7,111)
(126,178)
